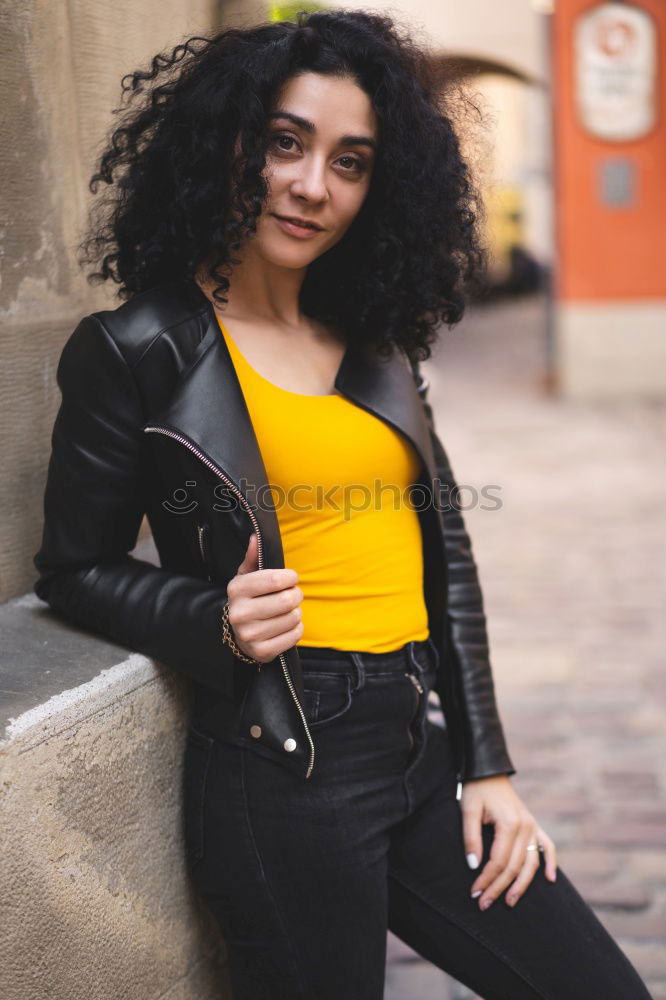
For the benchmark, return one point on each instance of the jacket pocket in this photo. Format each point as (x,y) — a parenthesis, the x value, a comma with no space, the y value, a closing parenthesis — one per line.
(198,751)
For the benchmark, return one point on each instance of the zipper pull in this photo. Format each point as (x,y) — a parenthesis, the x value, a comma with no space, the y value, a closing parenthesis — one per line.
(201,529)
(415,681)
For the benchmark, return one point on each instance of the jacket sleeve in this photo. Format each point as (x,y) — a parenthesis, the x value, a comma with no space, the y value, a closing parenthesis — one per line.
(485,746)
(93,508)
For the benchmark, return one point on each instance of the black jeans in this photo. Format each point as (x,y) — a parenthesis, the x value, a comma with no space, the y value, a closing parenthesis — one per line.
(305,876)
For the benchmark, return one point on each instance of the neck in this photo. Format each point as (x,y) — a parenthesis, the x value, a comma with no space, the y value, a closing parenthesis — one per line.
(259,291)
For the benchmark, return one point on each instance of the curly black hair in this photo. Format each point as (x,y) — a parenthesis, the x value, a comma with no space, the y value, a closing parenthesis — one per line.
(179,197)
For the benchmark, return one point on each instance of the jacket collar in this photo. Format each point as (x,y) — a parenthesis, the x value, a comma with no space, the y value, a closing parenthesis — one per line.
(209,410)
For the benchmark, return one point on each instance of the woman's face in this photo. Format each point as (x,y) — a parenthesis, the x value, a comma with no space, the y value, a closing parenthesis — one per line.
(323,136)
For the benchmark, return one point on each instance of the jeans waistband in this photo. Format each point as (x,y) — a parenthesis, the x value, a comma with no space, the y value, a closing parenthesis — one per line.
(417,654)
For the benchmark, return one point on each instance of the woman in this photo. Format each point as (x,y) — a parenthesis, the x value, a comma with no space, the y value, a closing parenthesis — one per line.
(290,220)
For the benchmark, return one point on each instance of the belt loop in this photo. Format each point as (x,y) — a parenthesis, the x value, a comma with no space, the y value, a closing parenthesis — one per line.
(411,658)
(359,665)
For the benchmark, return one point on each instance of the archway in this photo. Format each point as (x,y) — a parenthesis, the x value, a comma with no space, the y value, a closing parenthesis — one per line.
(511,152)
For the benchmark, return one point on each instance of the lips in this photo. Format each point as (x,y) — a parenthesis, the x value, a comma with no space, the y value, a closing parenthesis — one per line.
(304,224)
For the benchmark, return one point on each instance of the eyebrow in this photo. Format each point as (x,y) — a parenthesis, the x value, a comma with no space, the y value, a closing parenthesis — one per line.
(308,126)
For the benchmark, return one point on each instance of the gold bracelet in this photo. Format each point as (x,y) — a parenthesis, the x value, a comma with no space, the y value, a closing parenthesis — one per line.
(228,637)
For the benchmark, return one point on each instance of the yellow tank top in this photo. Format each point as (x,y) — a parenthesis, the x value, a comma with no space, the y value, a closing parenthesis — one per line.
(339,479)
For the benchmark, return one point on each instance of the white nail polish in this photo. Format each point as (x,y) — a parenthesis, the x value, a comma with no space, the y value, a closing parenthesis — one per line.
(477,893)
(472,861)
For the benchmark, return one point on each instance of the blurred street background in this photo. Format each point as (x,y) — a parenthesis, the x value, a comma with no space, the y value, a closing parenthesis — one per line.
(573,568)
(552,388)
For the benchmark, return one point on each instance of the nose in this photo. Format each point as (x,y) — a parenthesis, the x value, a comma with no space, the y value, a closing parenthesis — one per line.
(310,181)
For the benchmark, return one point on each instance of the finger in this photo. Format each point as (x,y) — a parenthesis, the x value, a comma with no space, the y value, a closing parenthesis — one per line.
(500,851)
(260,582)
(472,841)
(267,649)
(549,854)
(266,606)
(524,835)
(527,872)
(251,558)
(525,865)
(258,630)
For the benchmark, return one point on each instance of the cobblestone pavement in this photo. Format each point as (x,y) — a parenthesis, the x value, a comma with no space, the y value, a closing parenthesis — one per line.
(573,568)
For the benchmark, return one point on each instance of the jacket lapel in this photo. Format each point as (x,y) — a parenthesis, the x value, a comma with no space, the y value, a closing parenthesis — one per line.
(209,410)
(386,388)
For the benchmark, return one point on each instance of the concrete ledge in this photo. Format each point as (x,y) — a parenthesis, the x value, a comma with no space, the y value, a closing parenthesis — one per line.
(96,898)
(50,676)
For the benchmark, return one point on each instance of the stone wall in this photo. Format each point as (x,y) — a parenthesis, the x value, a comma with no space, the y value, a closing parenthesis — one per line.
(60,75)
(96,903)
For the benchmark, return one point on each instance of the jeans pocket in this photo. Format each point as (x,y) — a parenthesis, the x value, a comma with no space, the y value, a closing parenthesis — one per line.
(311,704)
(328,696)
(198,750)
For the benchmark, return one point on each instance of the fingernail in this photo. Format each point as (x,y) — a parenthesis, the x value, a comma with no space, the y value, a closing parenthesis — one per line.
(485,904)
(511,900)
(472,860)
(477,893)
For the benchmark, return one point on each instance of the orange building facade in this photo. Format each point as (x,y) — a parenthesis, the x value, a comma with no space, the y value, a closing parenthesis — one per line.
(609,150)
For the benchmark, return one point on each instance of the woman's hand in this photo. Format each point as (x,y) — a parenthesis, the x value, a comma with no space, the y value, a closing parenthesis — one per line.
(264,607)
(494,800)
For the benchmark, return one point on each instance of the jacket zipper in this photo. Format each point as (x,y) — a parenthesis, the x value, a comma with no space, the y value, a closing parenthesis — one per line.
(459,775)
(260,555)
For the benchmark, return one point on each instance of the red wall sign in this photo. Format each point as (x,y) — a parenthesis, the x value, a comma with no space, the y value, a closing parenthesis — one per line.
(616,71)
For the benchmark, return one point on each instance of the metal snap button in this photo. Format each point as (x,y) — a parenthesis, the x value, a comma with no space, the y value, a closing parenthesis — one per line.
(289,744)
(255,731)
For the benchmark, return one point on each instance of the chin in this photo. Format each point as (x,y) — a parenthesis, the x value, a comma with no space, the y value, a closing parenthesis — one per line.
(288,256)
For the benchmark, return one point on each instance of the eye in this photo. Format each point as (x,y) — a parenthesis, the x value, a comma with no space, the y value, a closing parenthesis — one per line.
(355,162)
(282,138)
(351,164)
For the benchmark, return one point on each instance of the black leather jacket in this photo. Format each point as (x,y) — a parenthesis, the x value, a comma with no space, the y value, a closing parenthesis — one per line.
(153,420)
